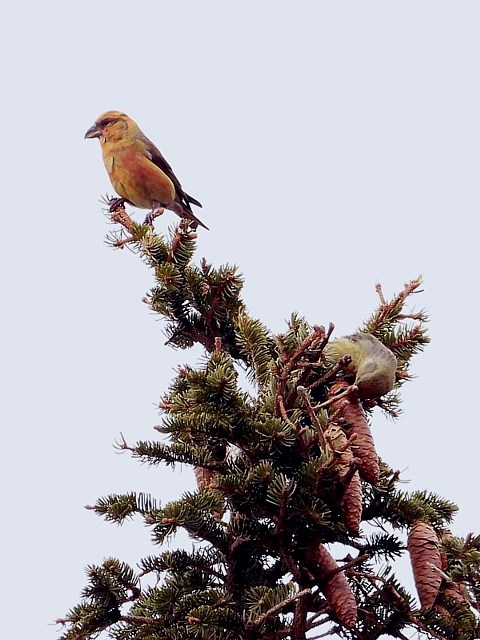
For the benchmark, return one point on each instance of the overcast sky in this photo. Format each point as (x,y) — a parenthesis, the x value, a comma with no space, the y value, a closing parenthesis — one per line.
(333,145)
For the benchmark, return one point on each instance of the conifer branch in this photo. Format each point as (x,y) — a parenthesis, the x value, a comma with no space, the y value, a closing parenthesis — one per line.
(283,463)
(392,308)
(311,364)
(312,340)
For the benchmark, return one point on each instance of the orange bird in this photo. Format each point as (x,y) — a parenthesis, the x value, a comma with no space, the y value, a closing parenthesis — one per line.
(138,172)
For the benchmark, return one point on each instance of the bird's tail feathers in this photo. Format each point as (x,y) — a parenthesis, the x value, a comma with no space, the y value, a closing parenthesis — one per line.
(191,216)
(182,211)
(193,201)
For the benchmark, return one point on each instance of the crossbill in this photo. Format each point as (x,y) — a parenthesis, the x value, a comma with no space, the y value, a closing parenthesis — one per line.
(138,172)
(372,367)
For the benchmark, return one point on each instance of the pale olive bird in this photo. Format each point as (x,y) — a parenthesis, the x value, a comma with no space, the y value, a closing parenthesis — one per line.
(373,365)
(138,172)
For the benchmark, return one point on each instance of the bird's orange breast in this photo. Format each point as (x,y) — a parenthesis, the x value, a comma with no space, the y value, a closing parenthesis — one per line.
(135,177)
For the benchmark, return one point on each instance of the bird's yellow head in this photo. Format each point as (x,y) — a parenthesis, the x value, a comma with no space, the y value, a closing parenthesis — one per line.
(112,126)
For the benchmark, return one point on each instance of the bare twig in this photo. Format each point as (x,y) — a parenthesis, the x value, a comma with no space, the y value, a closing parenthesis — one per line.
(349,390)
(258,622)
(311,340)
(308,366)
(313,417)
(283,412)
(326,337)
(332,372)
(279,532)
(139,619)
(386,308)
(121,444)
(121,217)
(313,621)
(119,243)
(351,563)
(378,289)
(446,577)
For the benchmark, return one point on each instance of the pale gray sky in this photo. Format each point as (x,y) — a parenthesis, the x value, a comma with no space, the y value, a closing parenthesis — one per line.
(333,144)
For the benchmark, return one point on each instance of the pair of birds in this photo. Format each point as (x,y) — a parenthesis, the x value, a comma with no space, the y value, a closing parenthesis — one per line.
(138,172)
(142,177)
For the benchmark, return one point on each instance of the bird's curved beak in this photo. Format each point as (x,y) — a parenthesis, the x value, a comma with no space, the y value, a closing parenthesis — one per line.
(93,132)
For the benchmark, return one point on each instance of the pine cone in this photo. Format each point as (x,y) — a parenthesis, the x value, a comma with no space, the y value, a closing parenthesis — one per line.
(352,504)
(352,412)
(456,593)
(424,549)
(335,588)
(203,477)
(352,497)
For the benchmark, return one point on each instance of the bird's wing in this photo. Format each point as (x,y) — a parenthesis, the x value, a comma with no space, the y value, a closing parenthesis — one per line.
(156,157)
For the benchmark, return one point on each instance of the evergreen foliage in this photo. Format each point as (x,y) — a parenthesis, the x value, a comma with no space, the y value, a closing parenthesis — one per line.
(273,480)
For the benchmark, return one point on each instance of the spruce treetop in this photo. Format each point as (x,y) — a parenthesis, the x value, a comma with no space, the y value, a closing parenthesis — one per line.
(297,519)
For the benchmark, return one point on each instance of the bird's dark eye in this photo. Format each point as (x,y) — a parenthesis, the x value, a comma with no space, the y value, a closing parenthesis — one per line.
(104,123)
